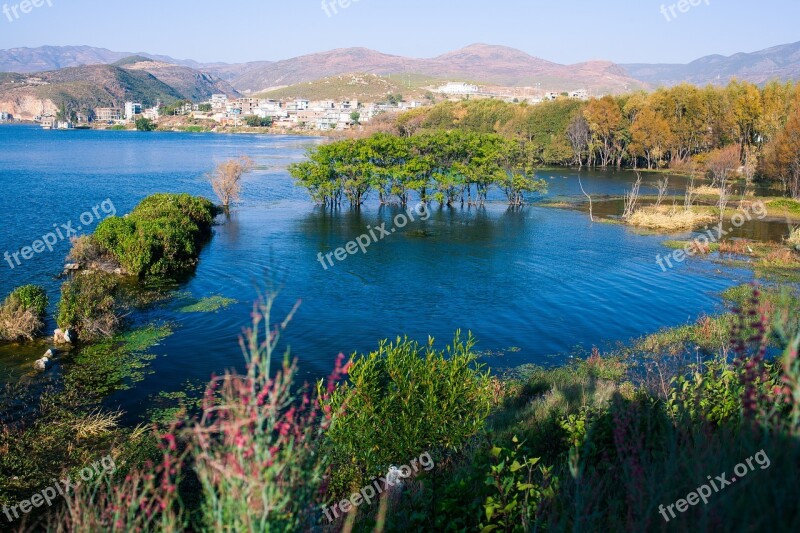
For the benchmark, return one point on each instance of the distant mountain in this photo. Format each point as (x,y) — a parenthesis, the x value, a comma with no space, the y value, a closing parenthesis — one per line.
(480,63)
(44,58)
(779,62)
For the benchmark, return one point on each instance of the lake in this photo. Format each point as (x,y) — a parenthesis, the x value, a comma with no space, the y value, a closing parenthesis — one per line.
(533,284)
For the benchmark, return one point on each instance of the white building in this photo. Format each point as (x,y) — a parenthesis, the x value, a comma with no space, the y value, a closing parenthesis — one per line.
(458,88)
(271,108)
(297,105)
(132,109)
(151,113)
(323,105)
(414,104)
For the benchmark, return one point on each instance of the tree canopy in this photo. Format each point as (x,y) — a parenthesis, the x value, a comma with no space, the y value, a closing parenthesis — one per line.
(446,167)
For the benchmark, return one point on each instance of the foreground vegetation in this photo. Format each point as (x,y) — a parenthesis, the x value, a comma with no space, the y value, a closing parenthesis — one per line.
(600,444)
(162,236)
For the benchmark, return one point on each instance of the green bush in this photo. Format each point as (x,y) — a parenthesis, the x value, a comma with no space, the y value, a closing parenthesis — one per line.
(88,304)
(403,400)
(21,313)
(517,489)
(145,124)
(162,236)
(31,297)
(258,122)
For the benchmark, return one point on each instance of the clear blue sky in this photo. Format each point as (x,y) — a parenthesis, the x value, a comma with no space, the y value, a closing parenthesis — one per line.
(565,31)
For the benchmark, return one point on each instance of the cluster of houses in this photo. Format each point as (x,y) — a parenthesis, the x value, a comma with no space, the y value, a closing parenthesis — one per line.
(285,114)
(298,113)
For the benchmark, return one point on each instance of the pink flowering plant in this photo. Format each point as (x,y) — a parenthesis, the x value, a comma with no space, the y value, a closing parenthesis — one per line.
(256,446)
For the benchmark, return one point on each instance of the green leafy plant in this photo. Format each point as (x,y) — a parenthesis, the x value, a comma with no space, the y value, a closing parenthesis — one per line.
(519,488)
(402,400)
(145,124)
(162,236)
(258,122)
(32,297)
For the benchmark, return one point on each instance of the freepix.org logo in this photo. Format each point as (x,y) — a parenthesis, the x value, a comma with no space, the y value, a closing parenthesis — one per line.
(13,12)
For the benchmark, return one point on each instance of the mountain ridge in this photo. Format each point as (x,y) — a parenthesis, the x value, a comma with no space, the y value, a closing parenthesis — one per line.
(478,62)
(781,62)
(493,64)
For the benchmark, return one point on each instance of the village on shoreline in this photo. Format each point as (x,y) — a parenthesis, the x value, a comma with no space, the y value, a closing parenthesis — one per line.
(222,112)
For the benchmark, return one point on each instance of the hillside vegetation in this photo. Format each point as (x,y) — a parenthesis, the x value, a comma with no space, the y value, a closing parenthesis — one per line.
(361,87)
(82,89)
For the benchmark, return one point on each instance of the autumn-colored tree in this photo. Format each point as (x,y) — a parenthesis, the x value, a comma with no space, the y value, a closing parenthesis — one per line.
(682,107)
(721,164)
(718,118)
(226,180)
(776,104)
(605,121)
(782,156)
(650,137)
(745,101)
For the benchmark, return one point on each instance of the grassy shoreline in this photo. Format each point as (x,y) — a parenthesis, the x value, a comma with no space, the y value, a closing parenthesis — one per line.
(556,416)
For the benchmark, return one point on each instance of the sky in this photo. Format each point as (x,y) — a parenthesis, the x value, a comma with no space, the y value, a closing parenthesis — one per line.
(564,31)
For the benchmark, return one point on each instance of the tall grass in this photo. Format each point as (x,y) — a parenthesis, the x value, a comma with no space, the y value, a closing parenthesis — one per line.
(256,446)
(251,458)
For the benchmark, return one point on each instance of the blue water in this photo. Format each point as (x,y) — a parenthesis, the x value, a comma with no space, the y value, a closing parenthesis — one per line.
(541,281)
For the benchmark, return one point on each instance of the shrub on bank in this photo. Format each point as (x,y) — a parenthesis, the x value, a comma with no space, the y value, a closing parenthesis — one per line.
(88,304)
(162,236)
(403,400)
(21,313)
(85,250)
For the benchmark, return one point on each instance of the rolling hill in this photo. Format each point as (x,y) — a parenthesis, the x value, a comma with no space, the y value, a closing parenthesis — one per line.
(190,83)
(81,89)
(480,62)
(360,86)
